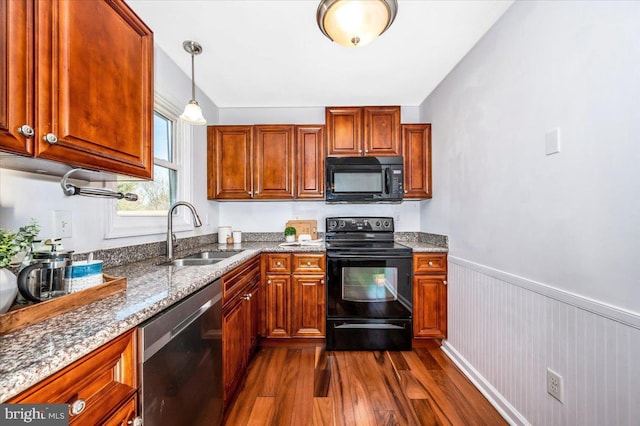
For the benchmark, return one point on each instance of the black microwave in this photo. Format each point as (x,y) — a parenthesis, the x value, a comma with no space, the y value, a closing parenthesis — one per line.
(364,179)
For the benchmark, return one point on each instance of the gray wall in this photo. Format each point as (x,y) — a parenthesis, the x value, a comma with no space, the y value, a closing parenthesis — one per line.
(543,267)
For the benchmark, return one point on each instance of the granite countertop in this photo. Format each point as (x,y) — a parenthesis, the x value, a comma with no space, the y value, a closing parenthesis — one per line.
(34,353)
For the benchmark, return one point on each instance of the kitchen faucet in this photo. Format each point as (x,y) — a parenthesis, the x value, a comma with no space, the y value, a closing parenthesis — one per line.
(196,222)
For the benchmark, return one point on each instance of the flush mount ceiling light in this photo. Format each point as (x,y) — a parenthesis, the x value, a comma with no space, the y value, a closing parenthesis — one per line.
(355,23)
(192,113)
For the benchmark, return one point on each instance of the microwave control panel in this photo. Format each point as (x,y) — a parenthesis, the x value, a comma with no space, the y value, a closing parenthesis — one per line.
(396,182)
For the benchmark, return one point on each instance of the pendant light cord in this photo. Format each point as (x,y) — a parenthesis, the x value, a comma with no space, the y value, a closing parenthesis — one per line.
(193,81)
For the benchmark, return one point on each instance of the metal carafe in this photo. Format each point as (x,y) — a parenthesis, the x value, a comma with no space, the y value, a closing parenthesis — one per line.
(43,278)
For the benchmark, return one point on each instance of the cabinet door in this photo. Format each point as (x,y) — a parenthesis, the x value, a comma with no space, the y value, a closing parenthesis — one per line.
(308,316)
(310,162)
(125,415)
(382,131)
(95,86)
(233,345)
(254,314)
(16,75)
(278,305)
(273,162)
(229,162)
(430,306)
(416,142)
(344,131)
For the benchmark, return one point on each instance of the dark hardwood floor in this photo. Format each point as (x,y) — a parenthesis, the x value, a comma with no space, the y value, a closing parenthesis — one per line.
(309,386)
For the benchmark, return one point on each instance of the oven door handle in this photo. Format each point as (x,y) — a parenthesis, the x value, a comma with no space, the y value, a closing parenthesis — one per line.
(366,256)
(381,326)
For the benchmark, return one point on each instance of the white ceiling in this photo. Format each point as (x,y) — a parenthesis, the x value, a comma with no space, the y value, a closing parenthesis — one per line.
(270,53)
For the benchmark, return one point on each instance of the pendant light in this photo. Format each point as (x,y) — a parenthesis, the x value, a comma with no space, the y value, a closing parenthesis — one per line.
(192,113)
(355,23)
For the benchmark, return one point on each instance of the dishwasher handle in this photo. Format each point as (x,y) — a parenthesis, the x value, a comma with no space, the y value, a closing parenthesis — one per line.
(191,318)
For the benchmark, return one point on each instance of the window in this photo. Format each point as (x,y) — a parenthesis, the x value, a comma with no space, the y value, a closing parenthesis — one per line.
(155,197)
(171,181)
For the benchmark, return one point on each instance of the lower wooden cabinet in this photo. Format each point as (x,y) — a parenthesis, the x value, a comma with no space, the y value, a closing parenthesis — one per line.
(278,306)
(430,295)
(308,305)
(240,322)
(295,294)
(126,415)
(100,388)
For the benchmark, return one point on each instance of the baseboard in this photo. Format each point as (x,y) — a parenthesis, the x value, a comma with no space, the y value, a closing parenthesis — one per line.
(506,410)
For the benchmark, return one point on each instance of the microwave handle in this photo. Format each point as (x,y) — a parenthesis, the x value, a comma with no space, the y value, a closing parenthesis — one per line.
(387,180)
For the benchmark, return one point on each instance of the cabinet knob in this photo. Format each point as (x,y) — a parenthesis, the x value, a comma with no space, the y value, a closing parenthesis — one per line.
(50,138)
(249,192)
(308,263)
(321,281)
(135,422)
(268,281)
(430,263)
(366,151)
(26,131)
(77,407)
(360,151)
(278,264)
(406,192)
(257,192)
(444,282)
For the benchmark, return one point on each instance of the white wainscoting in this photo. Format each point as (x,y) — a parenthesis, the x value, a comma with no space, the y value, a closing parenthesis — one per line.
(505,331)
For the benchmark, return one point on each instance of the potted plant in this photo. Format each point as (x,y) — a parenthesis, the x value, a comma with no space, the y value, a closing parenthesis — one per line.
(12,243)
(289,234)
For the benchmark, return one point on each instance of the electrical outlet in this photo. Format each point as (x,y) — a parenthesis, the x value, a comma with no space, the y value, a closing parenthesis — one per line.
(554,385)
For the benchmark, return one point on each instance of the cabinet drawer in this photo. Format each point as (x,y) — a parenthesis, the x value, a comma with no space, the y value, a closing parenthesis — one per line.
(100,381)
(278,262)
(427,263)
(308,263)
(237,280)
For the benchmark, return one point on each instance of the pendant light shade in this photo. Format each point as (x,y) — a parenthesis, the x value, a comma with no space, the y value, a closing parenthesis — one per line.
(192,113)
(355,23)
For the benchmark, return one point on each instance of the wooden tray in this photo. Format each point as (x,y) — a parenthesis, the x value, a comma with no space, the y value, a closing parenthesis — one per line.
(305,227)
(28,315)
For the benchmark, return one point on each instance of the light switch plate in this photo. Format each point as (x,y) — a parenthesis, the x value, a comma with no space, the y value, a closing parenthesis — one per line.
(552,141)
(62,223)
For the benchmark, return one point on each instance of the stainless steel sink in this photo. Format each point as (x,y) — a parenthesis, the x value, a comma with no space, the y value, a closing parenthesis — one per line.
(212,255)
(202,258)
(190,262)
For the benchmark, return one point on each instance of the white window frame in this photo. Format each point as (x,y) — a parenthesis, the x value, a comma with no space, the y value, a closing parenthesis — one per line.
(130,226)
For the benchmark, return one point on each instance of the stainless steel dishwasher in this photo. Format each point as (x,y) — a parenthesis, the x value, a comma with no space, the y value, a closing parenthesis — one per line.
(181,355)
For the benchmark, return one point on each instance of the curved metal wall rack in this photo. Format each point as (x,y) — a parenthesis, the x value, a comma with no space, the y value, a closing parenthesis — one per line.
(87,191)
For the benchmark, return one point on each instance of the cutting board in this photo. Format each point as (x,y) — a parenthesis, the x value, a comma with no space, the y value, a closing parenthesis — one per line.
(305,227)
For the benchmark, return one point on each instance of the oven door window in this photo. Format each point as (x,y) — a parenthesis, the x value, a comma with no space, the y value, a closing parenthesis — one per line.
(366,284)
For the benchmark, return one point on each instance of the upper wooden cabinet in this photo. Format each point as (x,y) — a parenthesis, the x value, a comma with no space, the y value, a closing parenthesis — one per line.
(16,75)
(310,155)
(367,131)
(246,162)
(229,166)
(273,162)
(80,74)
(416,145)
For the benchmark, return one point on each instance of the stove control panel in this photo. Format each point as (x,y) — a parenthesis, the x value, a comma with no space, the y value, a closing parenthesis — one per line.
(359,224)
